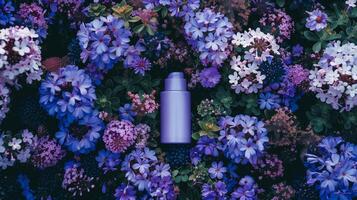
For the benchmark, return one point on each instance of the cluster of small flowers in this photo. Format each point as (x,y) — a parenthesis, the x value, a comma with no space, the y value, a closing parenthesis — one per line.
(205,146)
(209,77)
(14,149)
(80,135)
(246,77)
(108,161)
(334,78)
(32,15)
(332,168)
(143,103)
(46,153)
(76,181)
(209,33)
(6,13)
(68,93)
(270,166)
(19,54)
(142,131)
(104,41)
(243,138)
(126,112)
(280,24)
(283,191)
(181,8)
(67,7)
(119,135)
(209,107)
(4,101)
(143,169)
(258,46)
(125,191)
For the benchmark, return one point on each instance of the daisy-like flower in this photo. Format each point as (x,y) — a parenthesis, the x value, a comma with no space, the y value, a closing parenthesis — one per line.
(258,45)
(317,20)
(334,79)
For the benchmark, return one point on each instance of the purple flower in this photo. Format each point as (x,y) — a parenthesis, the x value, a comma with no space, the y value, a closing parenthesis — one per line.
(108,161)
(317,20)
(217,170)
(6,13)
(140,65)
(268,101)
(217,191)
(46,153)
(247,190)
(125,192)
(119,135)
(126,112)
(162,187)
(207,146)
(297,50)
(210,77)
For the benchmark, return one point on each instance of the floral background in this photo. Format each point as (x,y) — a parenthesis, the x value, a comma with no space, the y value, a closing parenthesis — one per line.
(274,99)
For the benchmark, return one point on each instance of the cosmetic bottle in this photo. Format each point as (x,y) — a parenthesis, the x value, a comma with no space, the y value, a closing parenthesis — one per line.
(175,109)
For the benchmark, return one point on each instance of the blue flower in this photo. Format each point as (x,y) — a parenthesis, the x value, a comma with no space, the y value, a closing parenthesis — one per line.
(104,41)
(68,94)
(268,101)
(332,169)
(217,170)
(107,160)
(80,135)
(6,13)
(317,20)
(127,113)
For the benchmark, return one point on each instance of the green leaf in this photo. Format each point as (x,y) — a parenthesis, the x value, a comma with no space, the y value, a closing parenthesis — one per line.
(280,3)
(310,36)
(164,12)
(317,47)
(196,135)
(139,28)
(150,30)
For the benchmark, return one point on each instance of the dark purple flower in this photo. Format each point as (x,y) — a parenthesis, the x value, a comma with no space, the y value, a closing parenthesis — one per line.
(125,192)
(207,146)
(210,77)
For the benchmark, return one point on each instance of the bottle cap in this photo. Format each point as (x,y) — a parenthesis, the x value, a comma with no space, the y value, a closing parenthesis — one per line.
(175,82)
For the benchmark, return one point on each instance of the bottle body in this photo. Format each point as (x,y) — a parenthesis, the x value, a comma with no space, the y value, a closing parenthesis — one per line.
(175,110)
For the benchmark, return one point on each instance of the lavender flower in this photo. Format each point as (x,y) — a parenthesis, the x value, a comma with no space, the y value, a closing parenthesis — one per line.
(104,41)
(68,94)
(76,181)
(125,192)
(210,77)
(162,187)
(209,33)
(247,190)
(126,112)
(32,15)
(217,170)
(207,146)
(216,191)
(317,20)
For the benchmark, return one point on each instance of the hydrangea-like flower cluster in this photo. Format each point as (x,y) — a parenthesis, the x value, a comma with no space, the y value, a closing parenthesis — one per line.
(283,191)
(124,191)
(270,166)
(279,23)
(19,54)
(243,138)
(46,153)
(76,181)
(258,45)
(210,77)
(143,103)
(4,101)
(209,33)
(68,93)
(32,15)
(108,161)
(80,135)
(332,169)
(217,190)
(104,41)
(143,169)
(247,189)
(142,131)
(6,13)
(334,78)
(246,77)
(16,148)
(119,135)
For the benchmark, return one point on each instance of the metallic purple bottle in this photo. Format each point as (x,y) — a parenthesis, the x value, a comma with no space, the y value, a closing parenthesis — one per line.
(175,110)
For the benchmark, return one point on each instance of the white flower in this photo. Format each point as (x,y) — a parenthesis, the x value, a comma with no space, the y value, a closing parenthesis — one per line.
(351,3)
(15,144)
(21,47)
